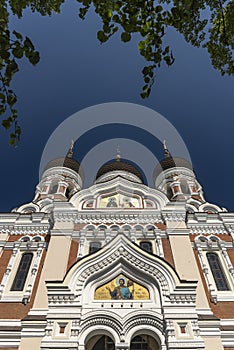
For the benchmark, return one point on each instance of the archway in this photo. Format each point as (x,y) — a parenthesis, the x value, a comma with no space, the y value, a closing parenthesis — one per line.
(144,342)
(100,342)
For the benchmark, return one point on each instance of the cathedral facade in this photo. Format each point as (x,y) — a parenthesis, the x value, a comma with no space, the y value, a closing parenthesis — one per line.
(118,265)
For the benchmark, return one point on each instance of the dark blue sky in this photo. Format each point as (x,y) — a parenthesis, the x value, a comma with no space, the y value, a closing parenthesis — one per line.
(75,72)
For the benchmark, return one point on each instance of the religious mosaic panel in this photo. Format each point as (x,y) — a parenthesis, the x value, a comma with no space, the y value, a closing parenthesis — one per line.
(120,201)
(122,288)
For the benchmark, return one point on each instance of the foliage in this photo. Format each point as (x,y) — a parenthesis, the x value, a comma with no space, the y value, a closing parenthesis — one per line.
(206,23)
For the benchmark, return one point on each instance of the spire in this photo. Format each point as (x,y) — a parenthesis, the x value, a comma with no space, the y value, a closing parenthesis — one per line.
(117,154)
(70,151)
(167,154)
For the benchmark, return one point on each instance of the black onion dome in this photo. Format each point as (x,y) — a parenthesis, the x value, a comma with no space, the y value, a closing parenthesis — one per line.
(119,165)
(66,162)
(170,162)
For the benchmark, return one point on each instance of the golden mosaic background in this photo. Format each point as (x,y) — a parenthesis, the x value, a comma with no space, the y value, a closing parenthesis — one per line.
(140,292)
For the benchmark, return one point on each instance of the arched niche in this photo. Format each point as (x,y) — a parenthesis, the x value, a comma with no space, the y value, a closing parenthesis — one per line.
(122,288)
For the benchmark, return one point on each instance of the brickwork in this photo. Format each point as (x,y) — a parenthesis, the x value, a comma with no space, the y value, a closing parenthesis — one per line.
(167,251)
(73,254)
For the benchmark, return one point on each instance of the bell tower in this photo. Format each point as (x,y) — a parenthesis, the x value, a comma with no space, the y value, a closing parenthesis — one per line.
(175,177)
(62,177)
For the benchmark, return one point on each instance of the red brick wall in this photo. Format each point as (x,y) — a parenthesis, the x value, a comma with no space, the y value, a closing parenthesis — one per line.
(73,254)
(167,251)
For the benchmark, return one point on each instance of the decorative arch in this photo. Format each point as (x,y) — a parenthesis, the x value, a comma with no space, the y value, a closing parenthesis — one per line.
(147,329)
(157,199)
(122,256)
(97,329)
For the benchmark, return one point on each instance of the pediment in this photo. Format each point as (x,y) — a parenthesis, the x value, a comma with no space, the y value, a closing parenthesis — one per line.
(122,257)
(119,193)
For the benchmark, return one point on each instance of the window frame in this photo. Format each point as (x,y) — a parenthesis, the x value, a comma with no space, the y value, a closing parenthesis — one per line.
(213,244)
(218,269)
(95,250)
(20,248)
(22,271)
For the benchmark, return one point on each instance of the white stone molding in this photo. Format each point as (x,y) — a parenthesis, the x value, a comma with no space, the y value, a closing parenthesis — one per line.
(118,173)
(121,217)
(196,206)
(207,229)
(123,319)
(63,174)
(28,208)
(11,337)
(226,334)
(103,234)
(121,249)
(23,224)
(174,172)
(207,223)
(119,185)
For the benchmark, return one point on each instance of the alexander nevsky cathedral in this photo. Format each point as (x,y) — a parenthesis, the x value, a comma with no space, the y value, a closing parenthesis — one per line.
(118,265)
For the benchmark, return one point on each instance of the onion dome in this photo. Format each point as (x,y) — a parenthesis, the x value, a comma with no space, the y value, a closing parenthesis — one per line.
(170,162)
(66,162)
(117,166)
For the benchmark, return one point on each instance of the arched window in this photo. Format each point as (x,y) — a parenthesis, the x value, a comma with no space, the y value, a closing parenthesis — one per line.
(22,272)
(217,272)
(147,246)
(144,342)
(53,188)
(94,246)
(104,343)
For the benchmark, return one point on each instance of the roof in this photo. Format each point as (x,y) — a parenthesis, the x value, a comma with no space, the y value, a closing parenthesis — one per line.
(119,165)
(171,162)
(66,162)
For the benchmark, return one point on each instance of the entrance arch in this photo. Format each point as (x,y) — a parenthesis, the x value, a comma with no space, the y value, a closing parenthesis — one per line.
(144,342)
(100,342)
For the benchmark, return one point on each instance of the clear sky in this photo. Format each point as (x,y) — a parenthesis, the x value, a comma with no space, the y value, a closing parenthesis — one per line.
(76,72)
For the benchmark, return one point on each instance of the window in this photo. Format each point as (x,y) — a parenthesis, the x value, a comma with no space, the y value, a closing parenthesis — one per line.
(217,271)
(22,272)
(104,343)
(53,188)
(94,246)
(139,343)
(147,246)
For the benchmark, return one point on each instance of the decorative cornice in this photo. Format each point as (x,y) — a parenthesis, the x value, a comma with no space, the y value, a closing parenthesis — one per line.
(207,229)
(25,229)
(120,217)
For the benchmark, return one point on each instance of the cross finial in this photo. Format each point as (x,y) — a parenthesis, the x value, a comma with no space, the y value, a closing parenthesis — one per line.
(70,151)
(166,152)
(118,154)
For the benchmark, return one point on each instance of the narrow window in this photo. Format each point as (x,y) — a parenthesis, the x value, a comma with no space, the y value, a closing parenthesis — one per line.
(94,246)
(146,246)
(183,328)
(22,272)
(62,328)
(217,271)
(53,188)
(67,194)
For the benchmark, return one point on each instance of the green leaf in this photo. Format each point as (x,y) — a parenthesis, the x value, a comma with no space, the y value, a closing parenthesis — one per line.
(18,35)
(34,57)
(141,45)
(102,37)
(28,44)
(125,37)
(18,52)
(6,124)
